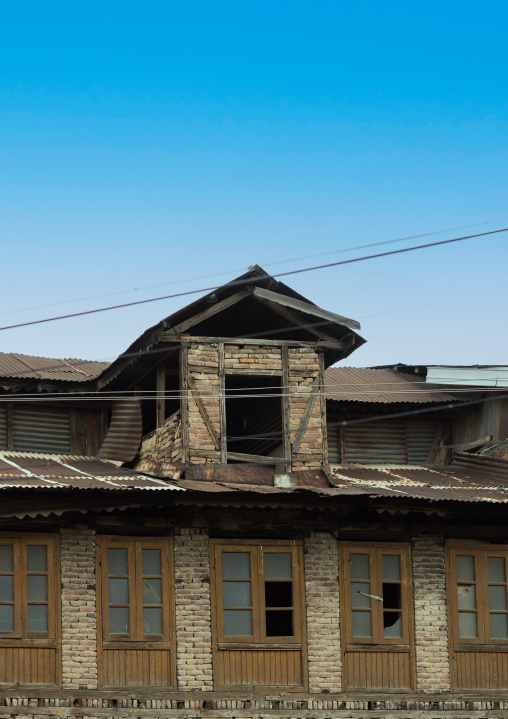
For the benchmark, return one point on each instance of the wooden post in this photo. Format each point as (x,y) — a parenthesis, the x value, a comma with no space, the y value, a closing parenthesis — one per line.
(222,406)
(286,418)
(160,402)
(184,402)
(324,431)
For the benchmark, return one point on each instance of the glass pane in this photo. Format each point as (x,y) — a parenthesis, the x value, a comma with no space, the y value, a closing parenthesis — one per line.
(236,565)
(465,569)
(467,625)
(37,618)
(151,561)
(36,559)
(236,594)
(391,567)
(361,624)
(37,588)
(279,624)
(358,598)
(466,596)
(497,598)
(118,620)
(498,626)
(6,589)
(152,621)
(152,591)
(118,561)
(118,591)
(496,569)
(5,558)
(360,566)
(237,622)
(6,618)
(392,596)
(278,594)
(277,566)
(392,623)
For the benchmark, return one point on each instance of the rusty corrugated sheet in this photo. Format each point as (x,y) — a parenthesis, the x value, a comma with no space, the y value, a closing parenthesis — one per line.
(386,386)
(124,434)
(19,366)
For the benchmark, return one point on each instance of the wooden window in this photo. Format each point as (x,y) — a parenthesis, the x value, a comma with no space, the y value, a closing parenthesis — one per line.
(376,594)
(258,612)
(135,581)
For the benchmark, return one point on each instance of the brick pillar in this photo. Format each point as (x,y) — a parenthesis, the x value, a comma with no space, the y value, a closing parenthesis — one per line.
(431,621)
(193,617)
(79,618)
(322,597)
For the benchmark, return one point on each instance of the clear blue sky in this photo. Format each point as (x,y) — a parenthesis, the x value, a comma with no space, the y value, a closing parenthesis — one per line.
(146,144)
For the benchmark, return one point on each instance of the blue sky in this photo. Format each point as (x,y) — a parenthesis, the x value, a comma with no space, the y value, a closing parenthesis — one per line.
(143,146)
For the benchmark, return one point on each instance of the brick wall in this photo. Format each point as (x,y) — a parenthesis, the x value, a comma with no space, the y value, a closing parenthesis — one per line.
(79,622)
(322,596)
(431,625)
(163,445)
(193,615)
(303,369)
(203,363)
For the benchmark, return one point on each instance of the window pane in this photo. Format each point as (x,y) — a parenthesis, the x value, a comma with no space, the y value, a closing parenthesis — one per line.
(6,618)
(6,588)
(118,561)
(37,588)
(358,598)
(119,620)
(151,561)
(391,567)
(152,591)
(496,569)
(467,625)
(392,596)
(118,591)
(236,594)
(392,623)
(238,623)
(37,618)
(361,624)
(279,624)
(36,559)
(152,621)
(277,566)
(360,566)
(497,598)
(498,626)
(236,565)
(465,569)
(278,594)
(5,558)
(466,596)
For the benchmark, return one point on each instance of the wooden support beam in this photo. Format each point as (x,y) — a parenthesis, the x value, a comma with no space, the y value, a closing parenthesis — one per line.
(10,427)
(306,415)
(205,315)
(258,341)
(202,410)
(160,402)
(184,403)
(286,412)
(222,406)
(257,372)
(322,398)
(255,458)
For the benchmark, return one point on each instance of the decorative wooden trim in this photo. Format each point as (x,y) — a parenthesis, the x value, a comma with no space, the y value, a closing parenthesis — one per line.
(306,415)
(184,402)
(202,410)
(222,405)
(206,314)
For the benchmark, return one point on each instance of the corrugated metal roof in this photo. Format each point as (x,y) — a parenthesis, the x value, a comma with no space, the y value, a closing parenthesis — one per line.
(29,470)
(386,386)
(18,366)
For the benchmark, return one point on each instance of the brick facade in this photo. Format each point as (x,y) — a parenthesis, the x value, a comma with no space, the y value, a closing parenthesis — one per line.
(193,614)
(431,622)
(79,620)
(322,597)
(303,370)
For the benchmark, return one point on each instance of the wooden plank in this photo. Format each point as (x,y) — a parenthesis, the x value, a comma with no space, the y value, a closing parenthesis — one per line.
(256,372)
(436,443)
(297,321)
(10,430)
(255,458)
(202,410)
(259,341)
(222,405)
(205,315)
(160,402)
(306,415)
(286,412)
(322,398)
(184,402)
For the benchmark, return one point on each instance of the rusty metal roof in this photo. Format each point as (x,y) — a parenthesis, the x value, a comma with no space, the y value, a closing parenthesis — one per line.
(387,386)
(18,366)
(29,470)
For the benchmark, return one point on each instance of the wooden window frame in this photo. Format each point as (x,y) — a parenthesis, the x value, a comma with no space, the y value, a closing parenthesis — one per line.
(375,552)
(480,552)
(20,636)
(256,549)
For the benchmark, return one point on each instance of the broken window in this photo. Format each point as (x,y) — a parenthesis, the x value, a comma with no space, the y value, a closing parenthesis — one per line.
(254,415)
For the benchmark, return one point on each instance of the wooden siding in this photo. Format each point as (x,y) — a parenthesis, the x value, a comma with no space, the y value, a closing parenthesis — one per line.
(136,667)
(481,670)
(253,667)
(377,670)
(28,665)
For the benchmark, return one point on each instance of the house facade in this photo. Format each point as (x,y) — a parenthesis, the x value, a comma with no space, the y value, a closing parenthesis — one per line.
(220,523)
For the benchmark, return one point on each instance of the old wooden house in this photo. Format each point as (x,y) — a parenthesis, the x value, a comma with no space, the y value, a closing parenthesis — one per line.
(221,524)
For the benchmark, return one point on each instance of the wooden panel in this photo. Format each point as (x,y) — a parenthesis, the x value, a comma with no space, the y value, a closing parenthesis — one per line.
(249,667)
(28,665)
(481,670)
(377,670)
(136,667)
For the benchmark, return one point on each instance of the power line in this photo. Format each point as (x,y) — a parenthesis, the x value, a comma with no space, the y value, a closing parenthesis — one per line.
(249,281)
